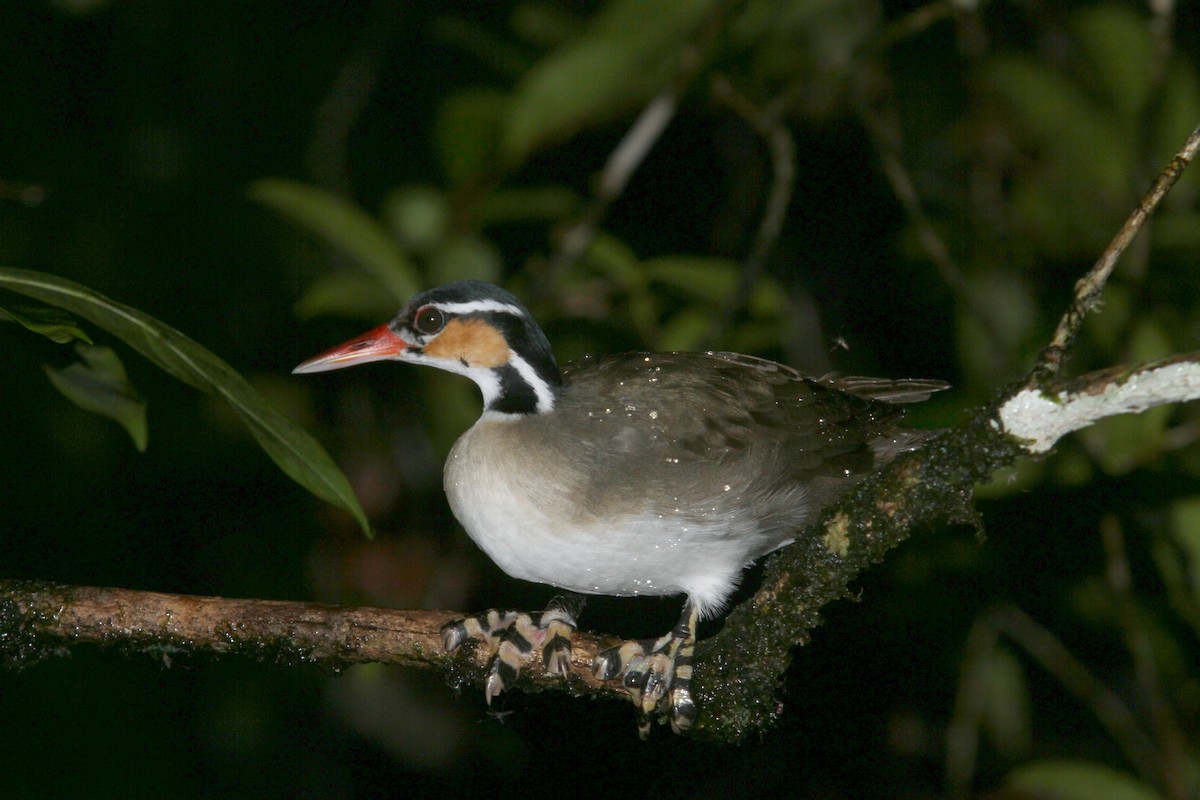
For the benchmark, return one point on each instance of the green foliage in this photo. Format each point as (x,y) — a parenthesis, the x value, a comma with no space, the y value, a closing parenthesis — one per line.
(466,134)
(98,383)
(56,325)
(1078,780)
(296,453)
(1007,707)
(1088,125)
(627,53)
(343,225)
(1177,557)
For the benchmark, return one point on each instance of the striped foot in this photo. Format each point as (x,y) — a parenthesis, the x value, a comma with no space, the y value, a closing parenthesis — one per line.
(512,636)
(657,674)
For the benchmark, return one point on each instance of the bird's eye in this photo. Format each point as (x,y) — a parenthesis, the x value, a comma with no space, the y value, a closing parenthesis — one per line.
(429,320)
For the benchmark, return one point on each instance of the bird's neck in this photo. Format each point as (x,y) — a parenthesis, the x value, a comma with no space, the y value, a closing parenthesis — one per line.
(523,386)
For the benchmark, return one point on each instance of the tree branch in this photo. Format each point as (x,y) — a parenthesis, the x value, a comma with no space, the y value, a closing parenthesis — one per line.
(41,620)
(1040,417)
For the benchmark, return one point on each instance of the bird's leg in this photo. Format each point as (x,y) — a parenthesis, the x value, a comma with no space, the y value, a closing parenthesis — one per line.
(657,673)
(512,635)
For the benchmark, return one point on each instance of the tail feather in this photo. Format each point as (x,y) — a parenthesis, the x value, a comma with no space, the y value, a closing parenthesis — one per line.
(909,390)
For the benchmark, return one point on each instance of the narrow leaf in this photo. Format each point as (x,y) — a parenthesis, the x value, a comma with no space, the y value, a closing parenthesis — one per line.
(296,453)
(99,384)
(346,293)
(52,323)
(617,64)
(345,226)
(1071,780)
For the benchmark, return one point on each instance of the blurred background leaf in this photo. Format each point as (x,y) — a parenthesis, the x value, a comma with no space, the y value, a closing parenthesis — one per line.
(98,383)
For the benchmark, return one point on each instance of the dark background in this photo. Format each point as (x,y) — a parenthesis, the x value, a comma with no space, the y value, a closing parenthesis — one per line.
(129,133)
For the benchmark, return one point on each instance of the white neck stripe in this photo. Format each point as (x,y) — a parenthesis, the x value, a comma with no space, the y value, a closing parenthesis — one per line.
(545,397)
(477,306)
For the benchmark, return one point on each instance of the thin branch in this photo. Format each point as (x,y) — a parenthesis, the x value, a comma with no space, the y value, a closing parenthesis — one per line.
(1108,708)
(884,131)
(342,106)
(962,733)
(637,142)
(916,22)
(1170,775)
(621,164)
(40,620)
(782,149)
(1089,288)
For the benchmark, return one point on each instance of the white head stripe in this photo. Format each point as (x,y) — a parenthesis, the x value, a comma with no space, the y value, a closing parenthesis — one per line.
(476,306)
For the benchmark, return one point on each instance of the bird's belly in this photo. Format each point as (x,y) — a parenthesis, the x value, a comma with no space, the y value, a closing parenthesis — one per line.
(534,529)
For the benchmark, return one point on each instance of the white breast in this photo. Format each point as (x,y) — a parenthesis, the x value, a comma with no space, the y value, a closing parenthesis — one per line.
(525,514)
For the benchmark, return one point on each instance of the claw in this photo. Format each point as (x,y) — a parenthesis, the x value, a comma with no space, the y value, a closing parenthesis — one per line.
(511,637)
(656,674)
(683,710)
(643,723)
(610,664)
(495,685)
(454,634)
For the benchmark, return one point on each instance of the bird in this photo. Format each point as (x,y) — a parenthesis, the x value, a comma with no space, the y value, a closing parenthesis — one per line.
(631,474)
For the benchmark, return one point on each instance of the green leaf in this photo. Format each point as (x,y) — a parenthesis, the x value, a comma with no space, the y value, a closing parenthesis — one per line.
(1006,707)
(296,453)
(419,216)
(99,384)
(684,330)
(629,51)
(466,134)
(345,226)
(1185,535)
(52,323)
(346,294)
(550,203)
(1079,780)
(614,259)
(1119,50)
(466,256)
(708,278)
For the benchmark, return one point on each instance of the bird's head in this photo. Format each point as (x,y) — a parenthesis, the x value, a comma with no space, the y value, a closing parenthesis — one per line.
(469,327)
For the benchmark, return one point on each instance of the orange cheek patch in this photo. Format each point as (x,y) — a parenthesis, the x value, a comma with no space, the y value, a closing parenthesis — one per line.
(471,340)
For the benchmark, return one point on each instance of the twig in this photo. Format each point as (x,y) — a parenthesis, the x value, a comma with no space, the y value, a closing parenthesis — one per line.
(962,734)
(1170,774)
(885,135)
(1108,708)
(342,106)
(634,145)
(1090,286)
(782,148)
(915,22)
(619,168)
